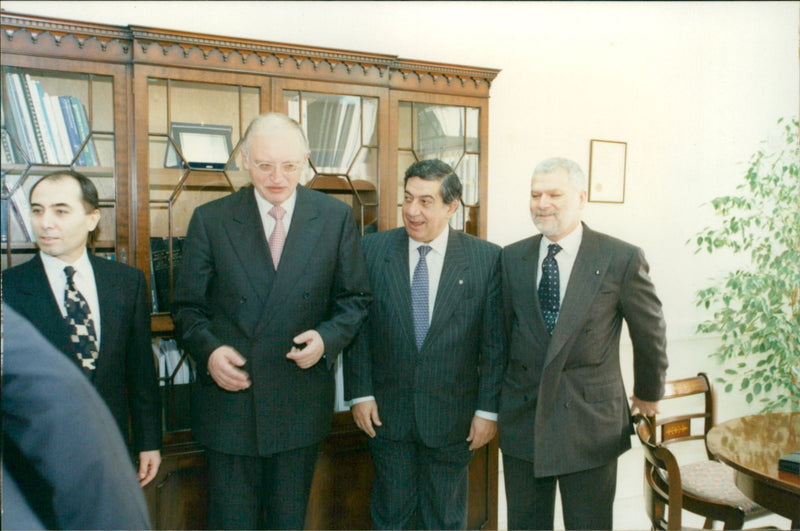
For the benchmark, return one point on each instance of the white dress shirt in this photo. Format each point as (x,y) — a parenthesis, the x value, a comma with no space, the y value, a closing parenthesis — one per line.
(268,221)
(84,282)
(565,258)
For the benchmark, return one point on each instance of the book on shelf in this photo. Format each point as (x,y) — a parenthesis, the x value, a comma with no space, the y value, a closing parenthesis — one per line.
(89,154)
(33,92)
(160,267)
(20,228)
(790,463)
(50,129)
(20,123)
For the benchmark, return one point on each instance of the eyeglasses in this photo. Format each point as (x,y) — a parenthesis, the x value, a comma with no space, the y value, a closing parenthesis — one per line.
(287,168)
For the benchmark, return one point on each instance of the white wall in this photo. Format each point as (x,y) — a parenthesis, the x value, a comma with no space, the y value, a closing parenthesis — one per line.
(691,87)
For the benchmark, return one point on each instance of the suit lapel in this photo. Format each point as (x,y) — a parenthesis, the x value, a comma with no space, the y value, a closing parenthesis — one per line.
(303,236)
(395,272)
(246,232)
(39,301)
(529,296)
(108,296)
(584,282)
(451,283)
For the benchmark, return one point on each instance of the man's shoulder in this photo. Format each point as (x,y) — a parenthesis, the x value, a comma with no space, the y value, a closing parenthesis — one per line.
(475,244)
(19,271)
(383,238)
(607,241)
(522,246)
(120,270)
(323,201)
(226,201)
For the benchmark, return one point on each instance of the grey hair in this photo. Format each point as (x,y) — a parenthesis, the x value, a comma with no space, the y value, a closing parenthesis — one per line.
(270,123)
(574,171)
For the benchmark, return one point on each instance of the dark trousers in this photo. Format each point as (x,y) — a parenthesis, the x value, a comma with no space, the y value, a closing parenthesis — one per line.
(260,492)
(417,487)
(587,497)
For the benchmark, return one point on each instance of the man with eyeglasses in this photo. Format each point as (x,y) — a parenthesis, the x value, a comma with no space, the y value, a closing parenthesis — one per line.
(272,287)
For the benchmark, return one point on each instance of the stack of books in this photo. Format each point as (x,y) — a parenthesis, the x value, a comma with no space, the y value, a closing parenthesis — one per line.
(47,129)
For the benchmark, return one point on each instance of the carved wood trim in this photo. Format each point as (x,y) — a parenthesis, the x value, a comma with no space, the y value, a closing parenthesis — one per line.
(144,45)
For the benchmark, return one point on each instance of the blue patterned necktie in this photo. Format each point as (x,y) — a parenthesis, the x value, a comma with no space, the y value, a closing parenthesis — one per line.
(82,333)
(549,288)
(419,297)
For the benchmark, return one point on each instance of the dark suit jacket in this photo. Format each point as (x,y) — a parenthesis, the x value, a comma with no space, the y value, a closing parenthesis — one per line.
(125,375)
(64,462)
(575,415)
(460,366)
(228,293)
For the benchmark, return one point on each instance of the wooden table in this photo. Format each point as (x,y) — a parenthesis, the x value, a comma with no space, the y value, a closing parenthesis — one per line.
(752,446)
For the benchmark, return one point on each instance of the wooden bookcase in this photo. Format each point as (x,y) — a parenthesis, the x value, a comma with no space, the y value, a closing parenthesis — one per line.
(368,116)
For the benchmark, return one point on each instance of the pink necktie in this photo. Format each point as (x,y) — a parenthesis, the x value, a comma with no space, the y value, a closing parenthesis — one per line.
(278,236)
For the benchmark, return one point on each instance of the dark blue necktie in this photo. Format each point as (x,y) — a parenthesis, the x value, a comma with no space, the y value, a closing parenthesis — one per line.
(419,297)
(549,288)
(82,333)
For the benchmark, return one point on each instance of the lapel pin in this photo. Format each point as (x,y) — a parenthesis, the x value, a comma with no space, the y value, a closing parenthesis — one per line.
(460,281)
(597,272)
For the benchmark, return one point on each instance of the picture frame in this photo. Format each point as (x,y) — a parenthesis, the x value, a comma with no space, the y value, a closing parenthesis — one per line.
(204,146)
(607,169)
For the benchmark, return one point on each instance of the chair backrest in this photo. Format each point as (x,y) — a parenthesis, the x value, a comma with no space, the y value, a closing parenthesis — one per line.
(680,427)
(663,494)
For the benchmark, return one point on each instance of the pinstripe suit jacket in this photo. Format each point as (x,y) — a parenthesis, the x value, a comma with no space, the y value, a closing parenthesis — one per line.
(564,406)
(460,366)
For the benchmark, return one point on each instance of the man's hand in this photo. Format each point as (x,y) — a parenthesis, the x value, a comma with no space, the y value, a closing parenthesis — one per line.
(149,462)
(648,409)
(223,366)
(311,353)
(481,432)
(366,414)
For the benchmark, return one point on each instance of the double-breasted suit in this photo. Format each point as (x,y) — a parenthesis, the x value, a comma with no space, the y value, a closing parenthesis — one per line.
(125,374)
(228,293)
(564,407)
(435,390)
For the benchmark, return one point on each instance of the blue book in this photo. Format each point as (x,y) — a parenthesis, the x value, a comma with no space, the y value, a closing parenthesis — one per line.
(75,140)
(84,130)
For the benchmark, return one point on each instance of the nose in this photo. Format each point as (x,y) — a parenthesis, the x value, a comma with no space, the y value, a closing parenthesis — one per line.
(47,218)
(545,200)
(412,208)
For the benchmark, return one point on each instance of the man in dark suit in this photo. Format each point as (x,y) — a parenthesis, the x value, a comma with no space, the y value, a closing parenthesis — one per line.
(424,372)
(65,465)
(564,414)
(272,287)
(119,360)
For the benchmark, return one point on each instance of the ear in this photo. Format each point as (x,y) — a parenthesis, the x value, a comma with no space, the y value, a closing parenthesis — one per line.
(582,198)
(452,207)
(94,219)
(245,161)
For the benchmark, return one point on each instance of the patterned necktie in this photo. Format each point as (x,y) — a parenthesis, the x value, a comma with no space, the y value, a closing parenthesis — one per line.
(278,236)
(81,326)
(549,288)
(419,297)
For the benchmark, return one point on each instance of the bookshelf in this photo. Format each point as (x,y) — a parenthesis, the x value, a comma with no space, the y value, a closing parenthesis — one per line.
(134,91)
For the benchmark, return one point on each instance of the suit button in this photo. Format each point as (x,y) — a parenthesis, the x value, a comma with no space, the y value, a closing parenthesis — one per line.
(567,404)
(524,367)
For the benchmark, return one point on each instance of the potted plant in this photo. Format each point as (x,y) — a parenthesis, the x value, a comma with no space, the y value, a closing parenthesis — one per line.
(756,307)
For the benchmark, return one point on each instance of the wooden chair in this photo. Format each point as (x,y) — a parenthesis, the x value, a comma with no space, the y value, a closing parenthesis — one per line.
(707,486)
(663,500)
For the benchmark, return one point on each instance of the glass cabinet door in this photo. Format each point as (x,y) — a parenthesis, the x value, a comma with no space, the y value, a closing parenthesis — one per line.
(449,133)
(194,131)
(56,120)
(342,132)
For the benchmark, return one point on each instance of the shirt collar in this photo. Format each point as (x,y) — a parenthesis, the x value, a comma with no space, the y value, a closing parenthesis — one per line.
(55,265)
(569,243)
(438,244)
(288,205)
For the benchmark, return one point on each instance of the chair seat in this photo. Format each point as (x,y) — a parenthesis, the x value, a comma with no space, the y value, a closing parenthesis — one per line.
(715,481)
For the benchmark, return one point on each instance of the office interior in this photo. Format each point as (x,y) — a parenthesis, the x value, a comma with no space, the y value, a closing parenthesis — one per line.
(692,88)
